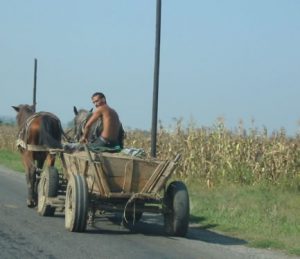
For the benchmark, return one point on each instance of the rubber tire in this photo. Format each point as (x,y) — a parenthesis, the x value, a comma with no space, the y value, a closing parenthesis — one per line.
(53,181)
(76,204)
(176,217)
(48,187)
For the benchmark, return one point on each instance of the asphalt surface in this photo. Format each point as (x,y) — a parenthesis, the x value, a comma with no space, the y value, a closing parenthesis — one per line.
(25,234)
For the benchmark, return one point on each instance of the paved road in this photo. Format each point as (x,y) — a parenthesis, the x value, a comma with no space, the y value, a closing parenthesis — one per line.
(25,234)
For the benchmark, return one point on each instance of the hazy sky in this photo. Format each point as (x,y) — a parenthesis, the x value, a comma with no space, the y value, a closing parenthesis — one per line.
(234,59)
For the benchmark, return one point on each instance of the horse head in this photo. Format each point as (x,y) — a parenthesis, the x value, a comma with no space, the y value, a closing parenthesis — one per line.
(80,119)
(24,111)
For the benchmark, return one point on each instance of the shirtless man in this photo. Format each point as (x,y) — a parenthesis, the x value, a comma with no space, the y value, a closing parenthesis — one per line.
(110,135)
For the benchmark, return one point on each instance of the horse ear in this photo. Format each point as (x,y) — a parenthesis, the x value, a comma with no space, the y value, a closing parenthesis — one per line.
(16,108)
(31,107)
(91,110)
(75,110)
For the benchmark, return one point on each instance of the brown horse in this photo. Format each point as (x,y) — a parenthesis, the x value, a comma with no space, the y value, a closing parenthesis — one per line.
(38,133)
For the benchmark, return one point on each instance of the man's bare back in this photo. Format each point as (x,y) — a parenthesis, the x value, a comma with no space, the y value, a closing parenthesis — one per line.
(110,120)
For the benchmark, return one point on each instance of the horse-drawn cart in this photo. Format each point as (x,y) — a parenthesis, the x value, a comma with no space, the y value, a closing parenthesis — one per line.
(114,182)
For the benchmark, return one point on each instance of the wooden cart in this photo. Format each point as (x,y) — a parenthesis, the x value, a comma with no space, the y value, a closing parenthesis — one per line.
(114,182)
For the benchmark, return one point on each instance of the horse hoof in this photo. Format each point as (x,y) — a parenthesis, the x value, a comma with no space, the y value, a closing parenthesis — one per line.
(91,223)
(30,204)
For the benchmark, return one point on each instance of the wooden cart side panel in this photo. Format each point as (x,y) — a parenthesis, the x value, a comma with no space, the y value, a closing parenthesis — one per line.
(78,163)
(161,181)
(74,166)
(127,174)
(122,174)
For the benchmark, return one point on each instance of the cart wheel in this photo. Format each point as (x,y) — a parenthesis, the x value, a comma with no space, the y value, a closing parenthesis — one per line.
(48,187)
(176,216)
(76,204)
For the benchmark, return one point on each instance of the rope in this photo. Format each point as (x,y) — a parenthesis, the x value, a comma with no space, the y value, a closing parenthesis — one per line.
(131,199)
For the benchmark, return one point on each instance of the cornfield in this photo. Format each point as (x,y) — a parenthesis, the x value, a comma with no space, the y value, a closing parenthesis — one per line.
(8,135)
(215,155)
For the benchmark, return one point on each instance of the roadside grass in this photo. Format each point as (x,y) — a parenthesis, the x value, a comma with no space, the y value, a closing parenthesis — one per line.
(11,160)
(265,216)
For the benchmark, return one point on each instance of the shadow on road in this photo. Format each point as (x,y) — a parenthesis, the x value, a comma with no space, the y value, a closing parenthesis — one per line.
(152,225)
(203,233)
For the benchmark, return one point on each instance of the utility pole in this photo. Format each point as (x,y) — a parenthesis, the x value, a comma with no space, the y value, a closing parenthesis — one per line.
(156,79)
(34,84)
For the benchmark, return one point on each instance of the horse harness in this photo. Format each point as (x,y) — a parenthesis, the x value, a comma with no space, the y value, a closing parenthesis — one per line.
(23,135)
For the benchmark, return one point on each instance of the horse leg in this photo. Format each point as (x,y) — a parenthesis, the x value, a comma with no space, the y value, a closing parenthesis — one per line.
(29,172)
(40,158)
(30,202)
(36,179)
(91,217)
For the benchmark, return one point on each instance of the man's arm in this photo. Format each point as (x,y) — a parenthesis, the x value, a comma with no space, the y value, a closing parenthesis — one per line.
(95,116)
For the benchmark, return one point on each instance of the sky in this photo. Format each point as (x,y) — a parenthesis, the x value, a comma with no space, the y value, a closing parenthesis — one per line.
(234,59)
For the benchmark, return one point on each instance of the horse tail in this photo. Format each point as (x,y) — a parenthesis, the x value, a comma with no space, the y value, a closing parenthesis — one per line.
(50,132)
(121,136)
